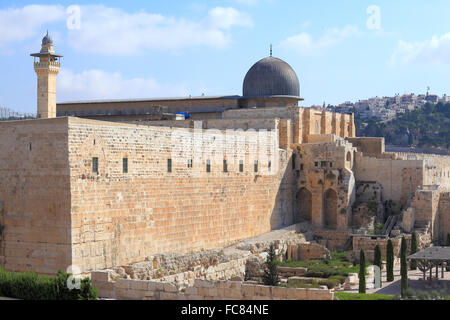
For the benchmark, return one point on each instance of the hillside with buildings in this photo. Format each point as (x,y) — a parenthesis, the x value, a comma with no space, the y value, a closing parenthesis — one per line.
(412,121)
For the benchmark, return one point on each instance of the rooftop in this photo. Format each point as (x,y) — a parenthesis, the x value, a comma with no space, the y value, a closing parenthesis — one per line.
(432,253)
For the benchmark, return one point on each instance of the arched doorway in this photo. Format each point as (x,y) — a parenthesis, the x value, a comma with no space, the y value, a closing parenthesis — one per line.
(304,203)
(330,209)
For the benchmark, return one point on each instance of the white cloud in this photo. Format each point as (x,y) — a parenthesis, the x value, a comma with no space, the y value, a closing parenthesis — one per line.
(20,24)
(305,44)
(431,52)
(99,84)
(112,31)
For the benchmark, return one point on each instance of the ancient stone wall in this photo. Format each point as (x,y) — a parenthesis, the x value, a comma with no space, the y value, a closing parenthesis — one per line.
(124,289)
(368,146)
(395,176)
(444,217)
(120,218)
(35,196)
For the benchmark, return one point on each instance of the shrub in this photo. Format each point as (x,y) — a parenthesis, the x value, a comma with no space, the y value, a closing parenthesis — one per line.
(31,286)
(331,283)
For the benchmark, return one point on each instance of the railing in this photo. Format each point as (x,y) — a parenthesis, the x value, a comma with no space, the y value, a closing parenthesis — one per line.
(46,64)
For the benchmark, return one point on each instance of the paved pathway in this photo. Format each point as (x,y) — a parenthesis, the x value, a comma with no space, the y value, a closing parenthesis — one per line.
(415,282)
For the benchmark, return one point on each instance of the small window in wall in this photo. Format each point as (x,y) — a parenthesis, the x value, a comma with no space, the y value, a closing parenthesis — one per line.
(190,163)
(95,165)
(256,166)
(316,164)
(30,147)
(208,165)
(323,164)
(301,167)
(269,166)
(293,161)
(169,165)
(331,164)
(125,165)
(225,166)
(241,166)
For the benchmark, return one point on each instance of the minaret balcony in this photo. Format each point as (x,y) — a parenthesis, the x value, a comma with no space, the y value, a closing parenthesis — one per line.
(47,65)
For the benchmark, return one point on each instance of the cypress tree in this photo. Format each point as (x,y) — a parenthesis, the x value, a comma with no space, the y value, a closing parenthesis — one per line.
(377,259)
(403,267)
(413,250)
(362,272)
(271,277)
(390,261)
(377,256)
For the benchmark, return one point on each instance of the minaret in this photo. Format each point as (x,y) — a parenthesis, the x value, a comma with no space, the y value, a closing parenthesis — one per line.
(47,68)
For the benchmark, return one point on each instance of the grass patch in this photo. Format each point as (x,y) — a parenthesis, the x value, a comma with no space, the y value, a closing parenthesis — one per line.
(335,269)
(362,296)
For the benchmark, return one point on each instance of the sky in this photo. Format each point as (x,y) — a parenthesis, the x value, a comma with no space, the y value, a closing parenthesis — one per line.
(345,50)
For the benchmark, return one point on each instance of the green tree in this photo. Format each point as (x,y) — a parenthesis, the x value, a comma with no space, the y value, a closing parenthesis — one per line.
(413,250)
(403,267)
(390,261)
(362,272)
(271,276)
(377,256)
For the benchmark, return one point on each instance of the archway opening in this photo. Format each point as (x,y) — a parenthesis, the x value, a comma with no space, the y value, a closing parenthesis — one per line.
(348,160)
(330,209)
(304,203)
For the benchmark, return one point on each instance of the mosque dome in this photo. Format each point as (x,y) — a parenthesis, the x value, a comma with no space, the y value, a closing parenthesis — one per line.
(47,40)
(271,77)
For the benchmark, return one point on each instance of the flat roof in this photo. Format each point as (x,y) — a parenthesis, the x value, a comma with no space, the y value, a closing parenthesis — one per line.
(232,97)
(432,253)
(148,100)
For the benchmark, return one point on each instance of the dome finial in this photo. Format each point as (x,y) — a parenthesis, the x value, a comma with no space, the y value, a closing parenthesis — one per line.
(270,49)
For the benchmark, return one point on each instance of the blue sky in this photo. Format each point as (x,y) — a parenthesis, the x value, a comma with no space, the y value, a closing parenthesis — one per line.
(137,49)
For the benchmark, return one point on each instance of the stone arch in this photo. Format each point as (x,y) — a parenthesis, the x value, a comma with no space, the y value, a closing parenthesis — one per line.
(304,203)
(316,127)
(330,209)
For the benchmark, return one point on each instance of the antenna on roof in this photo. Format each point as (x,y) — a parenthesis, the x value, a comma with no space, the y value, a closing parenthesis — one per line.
(270,49)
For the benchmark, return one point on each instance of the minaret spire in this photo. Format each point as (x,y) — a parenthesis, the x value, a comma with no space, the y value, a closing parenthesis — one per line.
(270,49)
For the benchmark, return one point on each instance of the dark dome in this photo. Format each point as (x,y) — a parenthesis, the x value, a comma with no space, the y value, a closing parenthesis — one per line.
(47,39)
(271,77)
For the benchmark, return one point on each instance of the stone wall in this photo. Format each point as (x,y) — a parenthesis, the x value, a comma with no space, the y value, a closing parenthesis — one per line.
(125,289)
(35,196)
(368,244)
(391,175)
(118,218)
(307,251)
(368,146)
(444,217)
